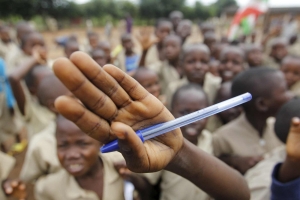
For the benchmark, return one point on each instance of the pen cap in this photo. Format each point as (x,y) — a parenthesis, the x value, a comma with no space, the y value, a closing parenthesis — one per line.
(114,146)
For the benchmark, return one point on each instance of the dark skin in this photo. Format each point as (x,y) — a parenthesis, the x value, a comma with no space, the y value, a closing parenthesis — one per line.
(4,35)
(23,29)
(171,50)
(150,81)
(161,32)
(184,30)
(175,18)
(183,106)
(291,69)
(279,51)
(15,189)
(254,57)
(79,155)
(70,48)
(214,67)
(128,45)
(210,40)
(195,64)
(106,47)
(99,57)
(93,40)
(33,40)
(130,107)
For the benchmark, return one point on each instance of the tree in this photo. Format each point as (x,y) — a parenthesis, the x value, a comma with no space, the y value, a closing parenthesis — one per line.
(221,4)
(201,11)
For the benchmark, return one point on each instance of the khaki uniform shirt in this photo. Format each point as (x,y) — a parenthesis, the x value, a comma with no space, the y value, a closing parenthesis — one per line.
(177,187)
(213,123)
(7,49)
(15,59)
(295,89)
(63,186)
(238,137)
(294,49)
(259,178)
(270,62)
(152,56)
(41,156)
(6,165)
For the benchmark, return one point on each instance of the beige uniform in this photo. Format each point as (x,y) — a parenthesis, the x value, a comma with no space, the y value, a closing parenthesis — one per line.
(259,177)
(7,49)
(15,59)
(176,187)
(152,57)
(41,156)
(295,89)
(240,138)
(63,186)
(211,86)
(213,123)
(6,165)
(270,62)
(294,49)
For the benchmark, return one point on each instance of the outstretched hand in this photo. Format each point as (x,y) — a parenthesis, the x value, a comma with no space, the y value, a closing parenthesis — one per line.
(115,106)
(15,188)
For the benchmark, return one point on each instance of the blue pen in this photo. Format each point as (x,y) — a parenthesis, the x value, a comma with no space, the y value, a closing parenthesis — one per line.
(159,129)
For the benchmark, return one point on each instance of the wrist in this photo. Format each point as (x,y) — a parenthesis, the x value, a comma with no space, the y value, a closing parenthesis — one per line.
(289,170)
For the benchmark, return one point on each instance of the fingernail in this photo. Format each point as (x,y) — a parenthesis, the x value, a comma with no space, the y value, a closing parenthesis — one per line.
(8,190)
(121,135)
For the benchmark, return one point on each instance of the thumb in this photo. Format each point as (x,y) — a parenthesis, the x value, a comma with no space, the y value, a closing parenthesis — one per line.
(295,126)
(131,147)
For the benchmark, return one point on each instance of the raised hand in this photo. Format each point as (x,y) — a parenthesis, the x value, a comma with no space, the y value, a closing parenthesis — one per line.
(145,38)
(15,188)
(293,141)
(115,105)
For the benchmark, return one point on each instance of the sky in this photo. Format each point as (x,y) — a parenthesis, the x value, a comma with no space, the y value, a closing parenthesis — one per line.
(273,3)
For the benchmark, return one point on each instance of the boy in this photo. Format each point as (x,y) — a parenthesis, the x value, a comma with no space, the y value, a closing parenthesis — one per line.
(99,57)
(70,47)
(7,46)
(232,62)
(169,71)
(41,156)
(254,55)
(184,30)
(246,139)
(210,40)
(128,59)
(93,40)
(86,173)
(214,66)
(23,28)
(173,186)
(106,47)
(175,17)
(154,54)
(291,68)
(278,52)
(130,107)
(206,27)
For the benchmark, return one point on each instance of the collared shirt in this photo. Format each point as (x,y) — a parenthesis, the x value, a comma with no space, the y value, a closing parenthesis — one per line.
(259,177)
(240,138)
(63,186)
(6,165)
(177,187)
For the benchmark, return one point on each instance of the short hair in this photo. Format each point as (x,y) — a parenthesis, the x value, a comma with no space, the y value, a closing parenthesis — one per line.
(91,33)
(28,36)
(140,71)
(292,57)
(94,51)
(190,86)
(209,34)
(256,81)
(125,36)
(185,50)
(278,40)
(173,36)
(284,116)
(236,49)
(249,47)
(161,21)
(70,43)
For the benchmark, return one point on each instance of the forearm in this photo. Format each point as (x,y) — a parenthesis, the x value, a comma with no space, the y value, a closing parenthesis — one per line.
(209,174)
(143,58)
(20,72)
(289,170)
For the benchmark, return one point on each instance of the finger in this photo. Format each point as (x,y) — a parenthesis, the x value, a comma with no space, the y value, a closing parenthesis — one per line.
(295,125)
(131,86)
(83,89)
(100,78)
(131,147)
(14,184)
(8,190)
(88,122)
(22,186)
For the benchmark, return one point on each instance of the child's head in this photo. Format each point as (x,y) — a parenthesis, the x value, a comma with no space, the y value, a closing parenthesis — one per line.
(206,27)
(163,28)
(214,66)
(34,77)
(290,66)
(254,55)
(210,39)
(284,116)
(22,29)
(106,47)
(223,94)
(279,49)
(232,62)
(127,43)
(70,47)
(93,38)
(195,59)
(77,153)
(268,88)
(99,56)
(184,28)
(4,34)
(148,79)
(181,105)
(175,17)
(50,88)
(172,47)
(31,40)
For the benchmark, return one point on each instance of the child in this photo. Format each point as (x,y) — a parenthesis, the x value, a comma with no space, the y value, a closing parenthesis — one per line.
(172,186)
(206,27)
(251,135)
(99,57)
(278,52)
(128,59)
(210,40)
(169,70)
(154,54)
(175,17)
(70,47)
(7,46)
(214,66)
(194,61)
(106,47)
(93,40)
(232,62)
(41,156)
(130,107)
(184,30)
(291,68)
(254,55)
(217,121)
(86,174)
(23,28)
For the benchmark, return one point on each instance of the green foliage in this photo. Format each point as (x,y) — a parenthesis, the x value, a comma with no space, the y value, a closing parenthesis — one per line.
(221,4)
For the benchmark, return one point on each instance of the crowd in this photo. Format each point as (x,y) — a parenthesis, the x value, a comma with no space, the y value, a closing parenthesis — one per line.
(258,140)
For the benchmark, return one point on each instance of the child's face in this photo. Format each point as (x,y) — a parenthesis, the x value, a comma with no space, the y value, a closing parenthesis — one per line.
(163,30)
(77,152)
(210,42)
(183,106)
(71,49)
(214,68)
(33,41)
(4,35)
(171,48)
(150,82)
(94,40)
(127,44)
(99,57)
(291,70)
(195,65)
(279,51)
(184,30)
(232,63)
(255,57)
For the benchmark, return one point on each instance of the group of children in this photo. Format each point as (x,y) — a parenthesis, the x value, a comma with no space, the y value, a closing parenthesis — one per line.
(185,74)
